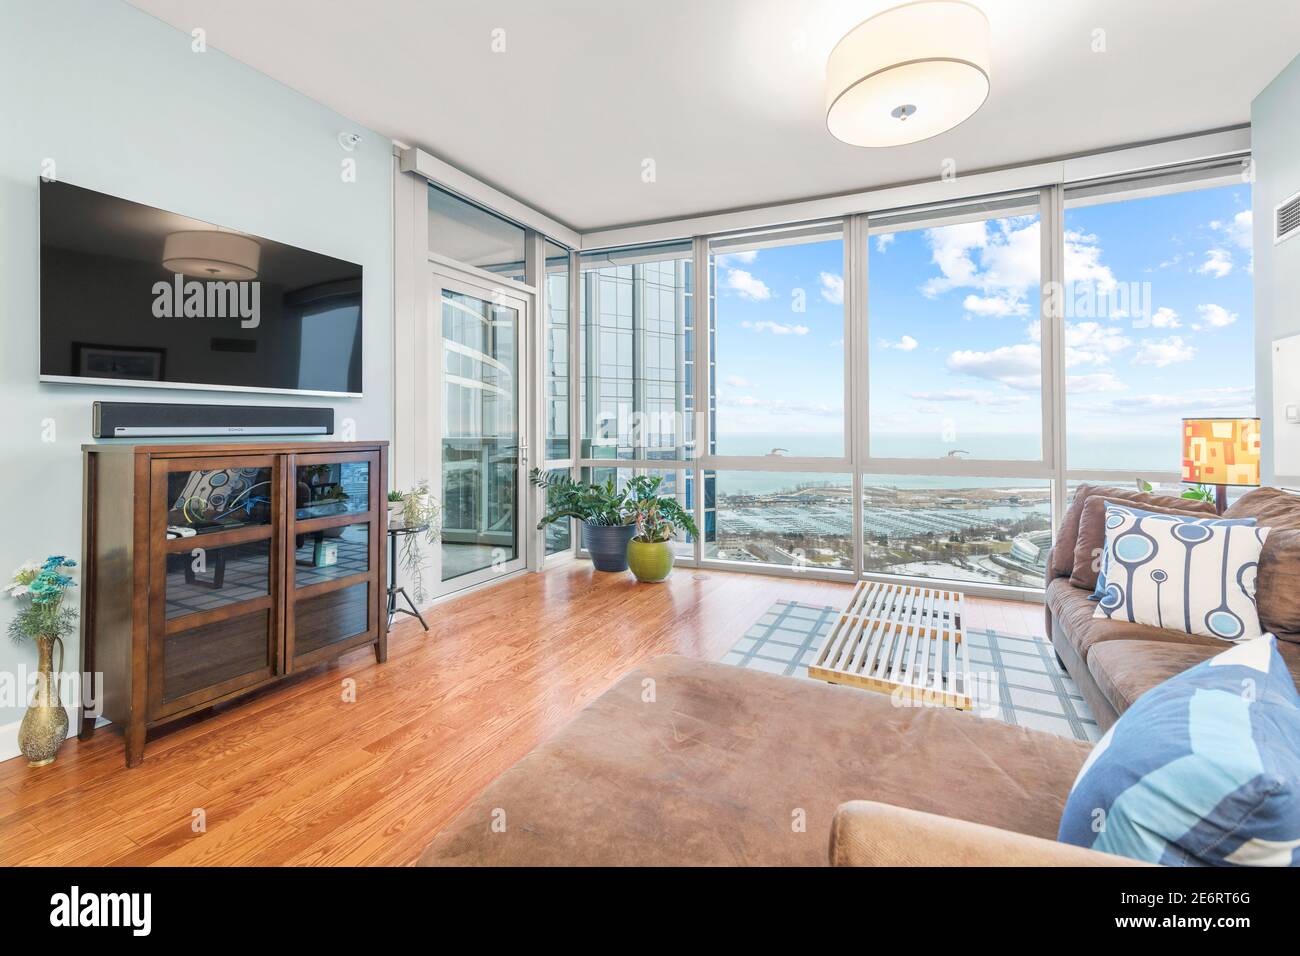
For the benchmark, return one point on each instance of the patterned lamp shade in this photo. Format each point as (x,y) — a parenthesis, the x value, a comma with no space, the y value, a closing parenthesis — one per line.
(1221,451)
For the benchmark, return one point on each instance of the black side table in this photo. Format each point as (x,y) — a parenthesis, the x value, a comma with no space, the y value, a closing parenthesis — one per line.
(393,588)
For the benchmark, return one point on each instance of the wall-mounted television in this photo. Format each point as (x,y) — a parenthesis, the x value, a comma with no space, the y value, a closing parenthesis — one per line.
(133,295)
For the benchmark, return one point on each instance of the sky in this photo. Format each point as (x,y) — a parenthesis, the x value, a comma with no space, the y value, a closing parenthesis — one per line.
(780,351)
(1158,326)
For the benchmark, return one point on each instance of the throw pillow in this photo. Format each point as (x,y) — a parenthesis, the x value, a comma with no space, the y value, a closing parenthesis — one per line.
(1099,589)
(1202,770)
(1278,595)
(1067,534)
(1191,576)
(1091,543)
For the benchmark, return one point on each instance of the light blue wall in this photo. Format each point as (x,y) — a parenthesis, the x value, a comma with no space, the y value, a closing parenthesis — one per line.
(123,105)
(1275,145)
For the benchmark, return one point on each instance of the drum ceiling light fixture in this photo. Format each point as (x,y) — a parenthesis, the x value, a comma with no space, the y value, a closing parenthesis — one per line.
(908,73)
(212,254)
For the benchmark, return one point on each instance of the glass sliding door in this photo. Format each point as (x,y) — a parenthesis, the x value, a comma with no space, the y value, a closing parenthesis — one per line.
(483,456)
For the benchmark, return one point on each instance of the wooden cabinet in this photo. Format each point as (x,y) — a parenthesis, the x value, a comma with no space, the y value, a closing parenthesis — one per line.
(212,570)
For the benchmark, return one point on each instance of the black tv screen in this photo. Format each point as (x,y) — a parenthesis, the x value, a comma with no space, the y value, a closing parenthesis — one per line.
(133,295)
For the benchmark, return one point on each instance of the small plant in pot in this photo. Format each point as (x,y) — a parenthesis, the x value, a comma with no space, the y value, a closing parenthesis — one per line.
(415,509)
(657,517)
(608,522)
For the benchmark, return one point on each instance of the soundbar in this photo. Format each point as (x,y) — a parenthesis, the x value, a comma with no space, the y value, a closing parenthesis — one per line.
(163,420)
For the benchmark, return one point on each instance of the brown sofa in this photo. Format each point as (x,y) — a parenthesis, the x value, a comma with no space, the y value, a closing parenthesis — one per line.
(688,762)
(1115,662)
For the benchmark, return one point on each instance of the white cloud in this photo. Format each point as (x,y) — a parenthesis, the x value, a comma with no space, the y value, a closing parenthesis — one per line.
(736,381)
(1094,382)
(1165,318)
(904,344)
(884,241)
(1215,316)
(1218,263)
(832,288)
(1015,365)
(1162,352)
(780,406)
(1240,231)
(747,286)
(1090,343)
(1240,399)
(998,305)
(776,328)
(969,395)
(746,257)
(1083,262)
(950,250)
(999,258)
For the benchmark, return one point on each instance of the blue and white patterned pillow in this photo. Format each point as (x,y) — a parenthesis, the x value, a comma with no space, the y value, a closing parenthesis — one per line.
(1100,590)
(1203,770)
(1187,576)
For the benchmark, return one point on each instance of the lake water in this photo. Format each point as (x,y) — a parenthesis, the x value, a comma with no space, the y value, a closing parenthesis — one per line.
(1137,452)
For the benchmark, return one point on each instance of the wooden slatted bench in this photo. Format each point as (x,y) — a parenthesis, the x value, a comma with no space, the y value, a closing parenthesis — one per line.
(900,640)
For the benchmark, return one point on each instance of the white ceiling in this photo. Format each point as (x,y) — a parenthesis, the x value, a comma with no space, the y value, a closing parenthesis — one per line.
(726,96)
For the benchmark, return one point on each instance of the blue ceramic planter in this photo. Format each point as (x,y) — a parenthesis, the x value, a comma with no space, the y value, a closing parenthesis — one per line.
(607,545)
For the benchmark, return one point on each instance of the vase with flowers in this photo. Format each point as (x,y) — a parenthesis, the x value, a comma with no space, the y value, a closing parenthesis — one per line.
(43,619)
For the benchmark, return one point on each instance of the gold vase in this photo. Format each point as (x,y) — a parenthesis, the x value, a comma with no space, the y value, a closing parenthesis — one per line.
(45,725)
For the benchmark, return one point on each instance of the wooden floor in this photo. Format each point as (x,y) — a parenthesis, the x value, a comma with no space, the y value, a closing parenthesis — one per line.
(296,775)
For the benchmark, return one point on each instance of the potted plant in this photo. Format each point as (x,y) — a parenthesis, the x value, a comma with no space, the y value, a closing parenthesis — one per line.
(417,508)
(43,619)
(657,517)
(608,522)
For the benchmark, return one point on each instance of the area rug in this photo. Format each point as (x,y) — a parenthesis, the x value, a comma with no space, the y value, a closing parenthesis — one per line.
(1018,679)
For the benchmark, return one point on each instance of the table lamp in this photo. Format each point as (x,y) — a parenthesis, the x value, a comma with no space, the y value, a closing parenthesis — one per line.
(1221,452)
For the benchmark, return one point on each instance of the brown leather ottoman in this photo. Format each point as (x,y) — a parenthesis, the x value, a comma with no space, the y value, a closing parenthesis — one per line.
(728,766)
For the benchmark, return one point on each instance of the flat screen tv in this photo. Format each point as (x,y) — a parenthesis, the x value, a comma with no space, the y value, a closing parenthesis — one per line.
(133,295)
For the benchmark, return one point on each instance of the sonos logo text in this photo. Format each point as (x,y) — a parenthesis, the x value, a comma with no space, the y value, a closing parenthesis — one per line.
(102,909)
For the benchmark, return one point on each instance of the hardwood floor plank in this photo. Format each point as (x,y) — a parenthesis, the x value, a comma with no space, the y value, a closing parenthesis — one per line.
(302,774)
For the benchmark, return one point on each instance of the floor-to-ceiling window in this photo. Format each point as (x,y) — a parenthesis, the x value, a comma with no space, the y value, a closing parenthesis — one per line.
(556,380)
(636,360)
(780,487)
(1002,349)
(1158,322)
(636,367)
(909,392)
(955,358)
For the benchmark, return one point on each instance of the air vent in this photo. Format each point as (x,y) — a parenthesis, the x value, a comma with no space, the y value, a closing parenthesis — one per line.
(1286,219)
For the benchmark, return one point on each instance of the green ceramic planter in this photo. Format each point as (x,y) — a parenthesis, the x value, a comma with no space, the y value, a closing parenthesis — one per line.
(650,562)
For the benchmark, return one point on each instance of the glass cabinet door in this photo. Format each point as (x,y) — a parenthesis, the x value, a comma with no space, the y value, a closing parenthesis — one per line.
(214,546)
(335,555)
